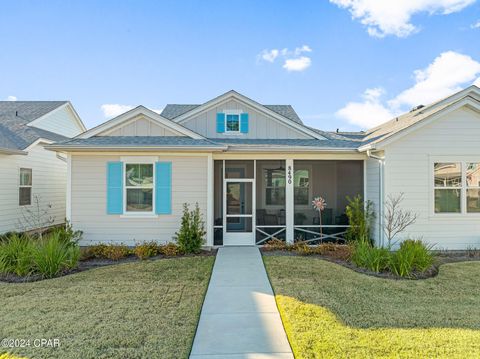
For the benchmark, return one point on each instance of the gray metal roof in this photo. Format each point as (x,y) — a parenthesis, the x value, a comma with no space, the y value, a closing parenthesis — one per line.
(15,134)
(137,141)
(172,111)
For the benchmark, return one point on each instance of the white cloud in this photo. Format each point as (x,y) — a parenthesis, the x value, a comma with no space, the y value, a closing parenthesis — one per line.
(383,17)
(299,64)
(269,55)
(11,98)
(113,109)
(447,74)
(293,59)
(368,113)
(476,25)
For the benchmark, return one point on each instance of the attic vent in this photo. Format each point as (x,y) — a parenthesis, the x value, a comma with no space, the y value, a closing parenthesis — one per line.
(417,108)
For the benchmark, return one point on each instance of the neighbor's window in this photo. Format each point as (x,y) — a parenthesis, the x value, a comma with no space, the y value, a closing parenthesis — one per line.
(448,187)
(25,190)
(139,187)
(274,182)
(232,123)
(473,187)
(302,187)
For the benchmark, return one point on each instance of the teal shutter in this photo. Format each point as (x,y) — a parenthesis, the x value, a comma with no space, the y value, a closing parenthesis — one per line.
(163,187)
(114,188)
(220,122)
(244,123)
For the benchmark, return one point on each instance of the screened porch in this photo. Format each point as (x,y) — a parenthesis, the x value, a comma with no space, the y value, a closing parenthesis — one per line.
(257,200)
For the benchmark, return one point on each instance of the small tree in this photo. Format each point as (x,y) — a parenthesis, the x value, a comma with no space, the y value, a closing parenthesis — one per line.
(360,217)
(36,217)
(191,235)
(396,219)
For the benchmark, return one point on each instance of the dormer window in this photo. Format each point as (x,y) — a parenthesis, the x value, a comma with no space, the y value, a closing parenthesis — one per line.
(232,123)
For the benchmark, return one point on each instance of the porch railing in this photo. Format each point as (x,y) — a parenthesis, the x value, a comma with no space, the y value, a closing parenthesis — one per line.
(316,234)
(266,233)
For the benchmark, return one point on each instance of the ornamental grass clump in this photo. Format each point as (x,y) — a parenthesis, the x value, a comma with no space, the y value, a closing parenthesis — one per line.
(412,256)
(373,258)
(16,255)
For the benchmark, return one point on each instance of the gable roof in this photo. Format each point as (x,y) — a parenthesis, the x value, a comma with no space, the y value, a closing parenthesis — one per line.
(15,117)
(400,124)
(172,111)
(300,127)
(140,110)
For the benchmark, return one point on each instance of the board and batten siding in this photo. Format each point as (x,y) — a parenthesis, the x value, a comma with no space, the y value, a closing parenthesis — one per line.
(141,127)
(61,121)
(49,183)
(88,201)
(259,125)
(408,167)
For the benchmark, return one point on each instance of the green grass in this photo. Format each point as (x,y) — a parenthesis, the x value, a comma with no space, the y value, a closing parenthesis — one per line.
(330,311)
(146,309)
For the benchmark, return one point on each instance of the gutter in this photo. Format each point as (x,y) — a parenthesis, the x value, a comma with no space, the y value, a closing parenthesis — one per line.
(295,149)
(8,151)
(134,149)
(381,163)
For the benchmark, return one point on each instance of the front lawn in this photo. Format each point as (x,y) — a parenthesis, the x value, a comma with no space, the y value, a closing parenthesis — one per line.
(331,311)
(144,309)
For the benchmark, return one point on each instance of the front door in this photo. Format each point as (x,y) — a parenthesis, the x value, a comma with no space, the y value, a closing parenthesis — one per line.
(238,212)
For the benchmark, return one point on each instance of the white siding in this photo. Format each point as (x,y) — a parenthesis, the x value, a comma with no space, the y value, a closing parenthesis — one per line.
(373,193)
(61,121)
(260,125)
(49,183)
(141,127)
(407,169)
(189,184)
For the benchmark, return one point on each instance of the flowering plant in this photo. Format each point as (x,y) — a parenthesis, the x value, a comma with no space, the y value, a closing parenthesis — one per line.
(319,204)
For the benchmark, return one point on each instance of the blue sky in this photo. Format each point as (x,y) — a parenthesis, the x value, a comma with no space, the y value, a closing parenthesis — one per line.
(348,64)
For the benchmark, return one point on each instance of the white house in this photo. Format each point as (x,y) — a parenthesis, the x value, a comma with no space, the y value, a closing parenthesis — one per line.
(254,170)
(27,170)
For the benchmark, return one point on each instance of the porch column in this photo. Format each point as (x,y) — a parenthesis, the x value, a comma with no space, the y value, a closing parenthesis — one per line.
(289,203)
(210,230)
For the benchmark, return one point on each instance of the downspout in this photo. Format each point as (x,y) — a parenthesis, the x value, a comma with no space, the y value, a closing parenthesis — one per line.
(381,162)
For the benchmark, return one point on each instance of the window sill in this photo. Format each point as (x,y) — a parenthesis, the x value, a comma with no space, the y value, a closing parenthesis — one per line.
(140,215)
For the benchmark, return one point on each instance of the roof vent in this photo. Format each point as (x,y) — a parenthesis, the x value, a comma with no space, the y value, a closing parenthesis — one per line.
(417,108)
(338,130)
(16,113)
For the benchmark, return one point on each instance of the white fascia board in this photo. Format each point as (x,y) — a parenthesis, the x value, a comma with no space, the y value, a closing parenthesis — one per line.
(140,110)
(77,117)
(8,151)
(467,101)
(40,140)
(259,107)
(134,149)
(289,149)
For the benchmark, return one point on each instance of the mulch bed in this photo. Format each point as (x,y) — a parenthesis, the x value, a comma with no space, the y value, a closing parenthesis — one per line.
(92,263)
(443,258)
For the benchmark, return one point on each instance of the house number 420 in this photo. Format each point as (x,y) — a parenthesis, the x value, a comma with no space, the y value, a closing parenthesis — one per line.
(289,175)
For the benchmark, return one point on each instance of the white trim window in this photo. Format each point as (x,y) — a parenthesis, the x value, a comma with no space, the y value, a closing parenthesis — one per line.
(274,182)
(456,187)
(25,187)
(302,186)
(232,122)
(139,188)
(473,187)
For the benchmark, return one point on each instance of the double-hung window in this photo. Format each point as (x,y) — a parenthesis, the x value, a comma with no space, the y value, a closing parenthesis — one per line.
(232,123)
(301,181)
(457,187)
(274,182)
(25,188)
(139,187)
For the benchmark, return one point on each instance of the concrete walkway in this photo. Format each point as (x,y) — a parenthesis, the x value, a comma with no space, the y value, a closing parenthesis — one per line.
(239,316)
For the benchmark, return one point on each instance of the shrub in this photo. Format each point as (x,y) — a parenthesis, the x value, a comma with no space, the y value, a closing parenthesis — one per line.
(336,251)
(51,256)
(115,252)
(302,248)
(67,235)
(146,250)
(16,255)
(412,256)
(170,250)
(191,234)
(360,216)
(373,258)
(276,244)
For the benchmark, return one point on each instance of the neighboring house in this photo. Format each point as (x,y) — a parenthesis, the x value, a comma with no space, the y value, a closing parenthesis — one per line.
(28,171)
(254,170)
